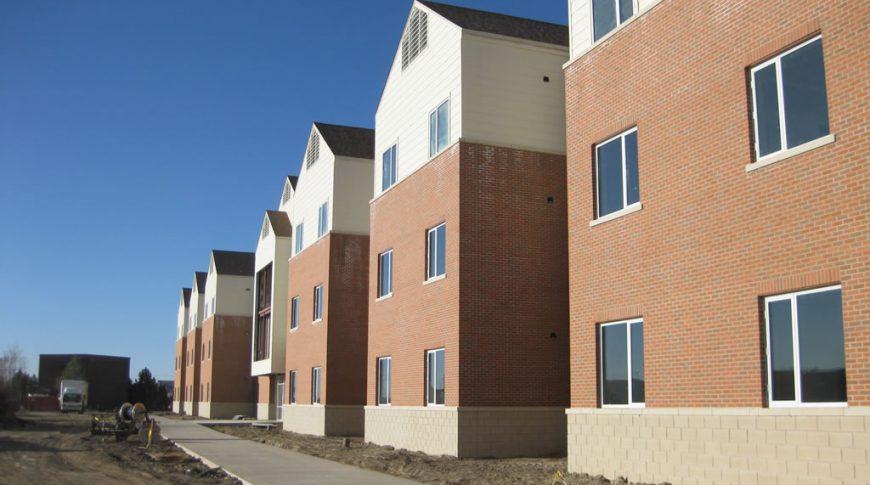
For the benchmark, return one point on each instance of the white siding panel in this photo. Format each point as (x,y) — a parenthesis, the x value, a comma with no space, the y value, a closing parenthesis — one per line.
(274,251)
(313,188)
(580,19)
(353,191)
(182,317)
(410,95)
(196,306)
(507,102)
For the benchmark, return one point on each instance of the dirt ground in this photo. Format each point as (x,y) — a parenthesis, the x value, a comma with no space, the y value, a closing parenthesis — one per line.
(58,448)
(419,466)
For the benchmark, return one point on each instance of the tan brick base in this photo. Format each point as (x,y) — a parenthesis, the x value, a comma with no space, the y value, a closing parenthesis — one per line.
(265,410)
(190,408)
(328,420)
(722,445)
(469,431)
(176,407)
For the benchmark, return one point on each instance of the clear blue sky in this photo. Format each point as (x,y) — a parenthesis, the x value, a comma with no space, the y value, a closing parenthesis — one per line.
(137,136)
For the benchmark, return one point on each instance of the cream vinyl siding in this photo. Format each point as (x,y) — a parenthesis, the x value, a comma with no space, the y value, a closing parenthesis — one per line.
(350,209)
(507,102)
(313,188)
(276,251)
(580,22)
(210,292)
(182,317)
(409,96)
(234,295)
(197,304)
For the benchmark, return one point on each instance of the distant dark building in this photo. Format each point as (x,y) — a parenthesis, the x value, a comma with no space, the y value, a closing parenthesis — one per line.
(108,377)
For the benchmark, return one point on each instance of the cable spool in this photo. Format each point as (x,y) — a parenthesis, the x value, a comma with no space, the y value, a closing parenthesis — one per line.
(125,412)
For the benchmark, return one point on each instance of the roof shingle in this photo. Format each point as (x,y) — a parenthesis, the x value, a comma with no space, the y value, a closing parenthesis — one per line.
(233,263)
(348,141)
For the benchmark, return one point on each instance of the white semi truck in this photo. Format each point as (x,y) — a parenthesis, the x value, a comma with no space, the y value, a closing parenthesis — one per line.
(73,395)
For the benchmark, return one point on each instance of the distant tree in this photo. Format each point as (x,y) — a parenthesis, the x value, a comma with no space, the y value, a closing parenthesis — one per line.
(13,380)
(74,370)
(148,391)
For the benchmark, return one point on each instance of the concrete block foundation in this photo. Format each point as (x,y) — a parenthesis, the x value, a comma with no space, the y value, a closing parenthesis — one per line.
(328,420)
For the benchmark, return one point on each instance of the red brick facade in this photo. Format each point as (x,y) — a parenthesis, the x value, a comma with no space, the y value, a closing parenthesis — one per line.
(712,238)
(226,356)
(191,370)
(180,374)
(336,343)
(501,310)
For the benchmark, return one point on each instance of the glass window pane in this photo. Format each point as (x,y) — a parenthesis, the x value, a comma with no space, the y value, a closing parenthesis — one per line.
(393,162)
(443,125)
(603,17)
(385,171)
(389,273)
(614,363)
(767,111)
(626,10)
(433,134)
(804,94)
(820,340)
(781,350)
(430,378)
(631,178)
(439,383)
(441,244)
(610,177)
(638,383)
(432,254)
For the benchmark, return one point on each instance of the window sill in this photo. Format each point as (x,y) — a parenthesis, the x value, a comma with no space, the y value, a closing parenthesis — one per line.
(790,404)
(624,406)
(434,279)
(294,329)
(616,215)
(317,321)
(385,297)
(791,152)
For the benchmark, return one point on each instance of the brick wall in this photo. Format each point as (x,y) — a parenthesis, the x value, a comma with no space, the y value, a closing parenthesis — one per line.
(506,279)
(265,384)
(231,379)
(712,239)
(337,343)
(194,338)
(418,316)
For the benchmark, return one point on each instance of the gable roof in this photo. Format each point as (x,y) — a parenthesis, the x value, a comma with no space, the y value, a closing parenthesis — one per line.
(501,24)
(348,141)
(233,263)
(280,223)
(185,296)
(200,281)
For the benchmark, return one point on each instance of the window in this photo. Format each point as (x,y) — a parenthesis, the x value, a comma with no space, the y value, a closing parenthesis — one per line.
(790,104)
(435,244)
(202,354)
(292,387)
(385,274)
(616,178)
(414,39)
(439,128)
(435,377)
(806,361)
(622,379)
(318,303)
(209,349)
(213,306)
(607,14)
(384,369)
(263,326)
(208,391)
(299,231)
(323,219)
(315,385)
(313,149)
(388,168)
(294,312)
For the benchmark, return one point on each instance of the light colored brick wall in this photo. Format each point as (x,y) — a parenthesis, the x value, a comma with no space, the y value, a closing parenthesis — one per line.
(305,419)
(722,445)
(433,430)
(265,411)
(176,407)
(190,408)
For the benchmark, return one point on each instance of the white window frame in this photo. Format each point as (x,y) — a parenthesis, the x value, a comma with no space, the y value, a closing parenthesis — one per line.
(634,6)
(379,381)
(316,374)
(429,126)
(323,219)
(428,251)
(317,314)
(627,323)
(393,178)
(797,403)
(380,278)
(298,237)
(625,205)
(429,399)
(777,59)
(294,313)
(293,382)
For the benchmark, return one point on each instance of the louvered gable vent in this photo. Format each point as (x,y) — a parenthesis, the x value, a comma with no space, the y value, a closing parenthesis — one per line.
(415,38)
(313,149)
(286,195)
(265,232)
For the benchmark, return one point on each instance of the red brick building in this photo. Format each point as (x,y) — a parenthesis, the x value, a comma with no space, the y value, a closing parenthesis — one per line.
(192,344)
(327,320)
(718,203)
(468,308)
(180,375)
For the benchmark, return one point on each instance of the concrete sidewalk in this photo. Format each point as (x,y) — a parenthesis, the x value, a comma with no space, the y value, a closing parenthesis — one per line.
(260,464)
